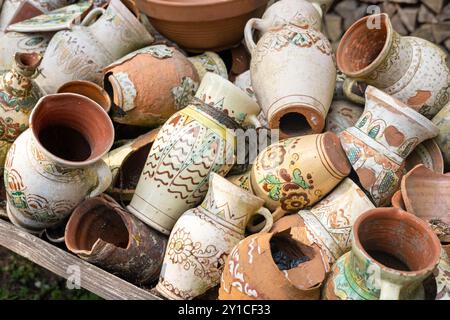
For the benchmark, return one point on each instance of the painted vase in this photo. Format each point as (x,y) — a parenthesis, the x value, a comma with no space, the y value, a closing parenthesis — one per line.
(56,163)
(149,85)
(410,69)
(101,232)
(88,89)
(209,62)
(297,172)
(203,237)
(293,76)
(82,52)
(272,266)
(329,223)
(13,42)
(442,121)
(194,142)
(126,163)
(18,96)
(380,141)
(393,252)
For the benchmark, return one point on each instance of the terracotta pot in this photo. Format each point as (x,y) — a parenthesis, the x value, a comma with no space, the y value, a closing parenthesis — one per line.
(383,137)
(293,76)
(149,85)
(88,89)
(203,237)
(297,172)
(428,154)
(193,143)
(397,200)
(82,52)
(393,252)
(329,223)
(200,25)
(342,115)
(56,163)
(13,42)
(442,121)
(427,194)
(252,262)
(18,96)
(410,69)
(100,231)
(126,164)
(209,62)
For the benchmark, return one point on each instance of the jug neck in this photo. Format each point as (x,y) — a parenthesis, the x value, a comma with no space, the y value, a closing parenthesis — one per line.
(18,81)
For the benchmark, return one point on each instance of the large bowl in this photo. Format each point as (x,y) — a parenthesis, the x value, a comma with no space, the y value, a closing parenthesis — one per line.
(199,25)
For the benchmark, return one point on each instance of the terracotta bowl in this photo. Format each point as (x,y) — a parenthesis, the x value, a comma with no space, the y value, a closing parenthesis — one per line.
(199,25)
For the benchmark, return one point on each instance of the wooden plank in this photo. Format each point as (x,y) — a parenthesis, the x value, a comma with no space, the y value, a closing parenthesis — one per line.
(59,261)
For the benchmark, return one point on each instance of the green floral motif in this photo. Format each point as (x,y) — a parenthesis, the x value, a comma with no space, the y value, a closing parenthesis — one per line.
(274,185)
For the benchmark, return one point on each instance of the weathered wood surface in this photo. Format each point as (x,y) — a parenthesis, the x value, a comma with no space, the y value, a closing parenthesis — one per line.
(59,261)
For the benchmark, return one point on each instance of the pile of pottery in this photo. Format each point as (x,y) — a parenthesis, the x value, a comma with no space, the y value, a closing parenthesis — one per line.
(121,134)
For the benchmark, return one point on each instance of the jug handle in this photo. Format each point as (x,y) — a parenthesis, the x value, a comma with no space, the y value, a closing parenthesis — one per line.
(347,88)
(91,16)
(250,26)
(104,178)
(389,290)
(262,226)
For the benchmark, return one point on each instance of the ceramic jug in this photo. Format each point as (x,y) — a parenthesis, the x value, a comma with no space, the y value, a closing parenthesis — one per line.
(56,163)
(82,52)
(203,237)
(101,232)
(296,173)
(282,12)
(149,85)
(273,266)
(380,141)
(293,76)
(410,69)
(393,252)
(18,96)
(442,121)
(13,42)
(194,142)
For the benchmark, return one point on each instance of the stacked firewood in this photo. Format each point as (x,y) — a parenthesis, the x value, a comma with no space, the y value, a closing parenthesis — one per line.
(428,19)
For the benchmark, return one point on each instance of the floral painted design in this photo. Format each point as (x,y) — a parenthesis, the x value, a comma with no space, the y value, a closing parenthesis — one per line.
(276,187)
(10,130)
(181,246)
(273,157)
(184,92)
(295,201)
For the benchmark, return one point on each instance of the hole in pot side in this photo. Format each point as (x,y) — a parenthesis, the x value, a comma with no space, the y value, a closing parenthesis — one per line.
(362,46)
(294,124)
(101,223)
(130,171)
(395,244)
(285,252)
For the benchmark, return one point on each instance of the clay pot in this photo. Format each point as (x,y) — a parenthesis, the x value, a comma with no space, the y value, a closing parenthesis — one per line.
(149,85)
(393,252)
(209,62)
(329,223)
(18,96)
(297,172)
(193,143)
(82,52)
(200,25)
(88,89)
(428,154)
(126,164)
(101,232)
(203,237)
(410,69)
(442,121)
(254,260)
(240,62)
(342,115)
(383,137)
(426,194)
(293,76)
(56,163)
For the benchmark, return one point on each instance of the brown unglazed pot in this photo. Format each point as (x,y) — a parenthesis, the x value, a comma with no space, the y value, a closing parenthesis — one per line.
(100,231)
(251,272)
(88,89)
(147,86)
(199,25)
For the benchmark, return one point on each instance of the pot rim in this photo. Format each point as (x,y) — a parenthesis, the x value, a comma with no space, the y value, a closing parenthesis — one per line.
(381,56)
(86,83)
(397,214)
(69,163)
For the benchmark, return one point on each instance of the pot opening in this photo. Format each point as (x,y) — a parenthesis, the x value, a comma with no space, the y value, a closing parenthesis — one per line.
(101,222)
(286,253)
(90,90)
(294,124)
(30,60)
(399,244)
(362,44)
(130,171)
